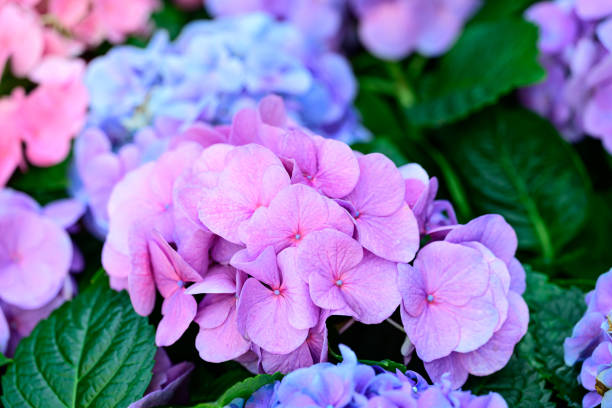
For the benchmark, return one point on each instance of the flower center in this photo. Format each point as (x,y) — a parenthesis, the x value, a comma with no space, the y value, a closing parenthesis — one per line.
(180,283)
(276,292)
(430,298)
(309,177)
(298,237)
(339,282)
(357,214)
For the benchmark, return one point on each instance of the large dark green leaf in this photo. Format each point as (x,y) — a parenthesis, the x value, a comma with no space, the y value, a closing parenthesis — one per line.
(490,59)
(94,351)
(515,164)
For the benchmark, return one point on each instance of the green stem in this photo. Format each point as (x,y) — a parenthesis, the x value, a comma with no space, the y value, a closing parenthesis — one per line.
(405,94)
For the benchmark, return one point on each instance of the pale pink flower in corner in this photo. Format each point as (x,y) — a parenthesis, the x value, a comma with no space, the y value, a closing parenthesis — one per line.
(253,175)
(171,274)
(295,212)
(347,280)
(10,135)
(385,224)
(21,38)
(55,111)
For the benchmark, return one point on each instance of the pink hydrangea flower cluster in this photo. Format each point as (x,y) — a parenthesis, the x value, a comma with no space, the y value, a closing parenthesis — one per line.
(279,229)
(46,119)
(36,256)
(576,44)
(461,300)
(41,39)
(591,341)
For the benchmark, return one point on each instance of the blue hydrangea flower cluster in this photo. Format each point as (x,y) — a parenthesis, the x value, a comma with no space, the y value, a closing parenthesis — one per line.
(141,97)
(351,384)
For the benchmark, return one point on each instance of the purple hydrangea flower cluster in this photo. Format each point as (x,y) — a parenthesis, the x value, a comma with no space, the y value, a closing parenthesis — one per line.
(36,257)
(390,29)
(142,98)
(591,342)
(461,300)
(575,43)
(351,384)
(280,228)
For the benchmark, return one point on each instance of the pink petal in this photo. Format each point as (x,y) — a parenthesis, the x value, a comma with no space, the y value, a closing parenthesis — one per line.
(370,289)
(272,111)
(214,310)
(372,197)
(496,353)
(223,342)
(450,364)
(223,250)
(219,279)
(244,127)
(453,273)
(301,312)
(178,310)
(478,320)
(412,289)
(435,332)
(262,267)
(490,230)
(293,214)
(327,254)
(250,180)
(593,9)
(266,316)
(64,212)
(338,170)
(394,237)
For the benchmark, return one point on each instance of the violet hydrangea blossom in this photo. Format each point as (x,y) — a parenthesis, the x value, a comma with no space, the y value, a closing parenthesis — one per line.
(267,232)
(352,384)
(575,44)
(36,257)
(461,300)
(591,343)
(389,29)
(143,99)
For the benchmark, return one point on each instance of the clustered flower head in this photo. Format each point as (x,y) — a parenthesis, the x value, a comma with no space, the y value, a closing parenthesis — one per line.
(352,384)
(280,228)
(591,342)
(575,43)
(39,40)
(390,29)
(142,98)
(36,256)
(461,300)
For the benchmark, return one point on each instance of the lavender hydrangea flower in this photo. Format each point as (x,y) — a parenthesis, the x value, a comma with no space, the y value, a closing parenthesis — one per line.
(143,99)
(352,384)
(575,44)
(591,342)
(36,258)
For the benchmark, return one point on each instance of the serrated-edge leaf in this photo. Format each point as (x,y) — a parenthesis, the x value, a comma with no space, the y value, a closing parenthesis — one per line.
(94,351)
(456,101)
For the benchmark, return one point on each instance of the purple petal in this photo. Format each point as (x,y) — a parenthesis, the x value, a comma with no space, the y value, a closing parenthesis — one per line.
(449,364)
(65,212)
(262,267)
(394,237)
(223,342)
(593,9)
(178,312)
(219,279)
(301,312)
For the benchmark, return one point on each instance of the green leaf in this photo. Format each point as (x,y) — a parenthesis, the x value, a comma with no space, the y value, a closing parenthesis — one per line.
(44,184)
(489,60)
(554,312)
(515,164)
(94,351)
(243,389)
(496,9)
(4,360)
